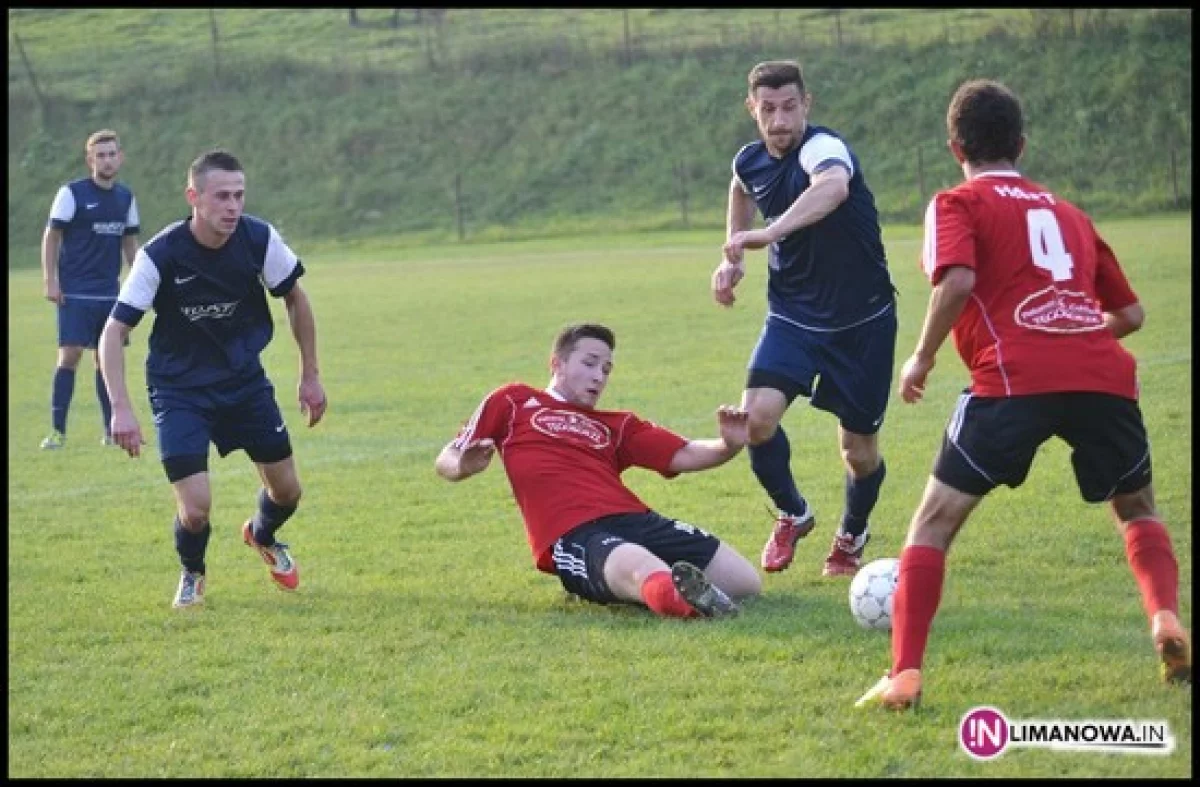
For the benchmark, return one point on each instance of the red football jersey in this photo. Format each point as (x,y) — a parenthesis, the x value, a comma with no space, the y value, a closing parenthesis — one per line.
(1043,278)
(564,462)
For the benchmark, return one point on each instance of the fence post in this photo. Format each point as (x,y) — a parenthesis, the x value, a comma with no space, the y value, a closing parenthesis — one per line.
(458,205)
(681,172)
(628,50)
(37,91)
(920,178)
(1174,177)
(212,21)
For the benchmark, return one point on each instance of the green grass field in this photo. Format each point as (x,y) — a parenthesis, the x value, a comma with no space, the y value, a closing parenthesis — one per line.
(423,643)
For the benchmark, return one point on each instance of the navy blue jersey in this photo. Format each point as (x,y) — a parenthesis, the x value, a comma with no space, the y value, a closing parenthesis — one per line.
(93,221)
(212,320)
(832,274)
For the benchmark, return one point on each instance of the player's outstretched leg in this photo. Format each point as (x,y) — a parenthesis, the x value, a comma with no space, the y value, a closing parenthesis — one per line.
(699,591)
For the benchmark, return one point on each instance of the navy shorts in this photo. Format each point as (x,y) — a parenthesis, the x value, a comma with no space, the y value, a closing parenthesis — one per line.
(242,415)
(992,440)
(80,321)
(580,555)
(847,373)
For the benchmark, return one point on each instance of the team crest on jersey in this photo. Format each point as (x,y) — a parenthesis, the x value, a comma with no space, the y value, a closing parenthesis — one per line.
(566,424)
(1059,311)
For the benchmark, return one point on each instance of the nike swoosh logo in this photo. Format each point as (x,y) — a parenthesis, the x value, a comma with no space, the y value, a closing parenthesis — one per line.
(185,279)
(92,205)
(281,427)
(758,189)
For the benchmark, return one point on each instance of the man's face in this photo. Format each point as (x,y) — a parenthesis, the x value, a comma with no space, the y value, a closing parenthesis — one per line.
(104,160)
(217,199)
(581,378)
(781,114)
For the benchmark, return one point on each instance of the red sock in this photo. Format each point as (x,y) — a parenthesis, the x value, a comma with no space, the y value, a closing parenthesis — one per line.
(659,593)
(1148,548)
(918,594)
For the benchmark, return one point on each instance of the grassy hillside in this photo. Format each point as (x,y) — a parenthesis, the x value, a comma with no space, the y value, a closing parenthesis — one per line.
(546,122)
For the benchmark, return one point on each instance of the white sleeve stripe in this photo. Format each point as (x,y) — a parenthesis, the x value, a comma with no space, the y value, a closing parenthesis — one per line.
(279,262)
(141,285)
(63,208)
(824,147)
(131,218)
(929,248)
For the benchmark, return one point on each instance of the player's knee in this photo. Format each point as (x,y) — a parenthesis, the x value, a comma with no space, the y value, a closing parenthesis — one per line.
(68,357)
(761,428)
(860,460)
(1135,505)
(193,515)
(286,495)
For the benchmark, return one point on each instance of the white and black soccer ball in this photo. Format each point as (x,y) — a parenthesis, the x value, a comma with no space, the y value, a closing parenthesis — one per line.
(872,591)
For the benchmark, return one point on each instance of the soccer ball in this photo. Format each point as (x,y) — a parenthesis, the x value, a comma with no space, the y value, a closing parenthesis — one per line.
(871,593)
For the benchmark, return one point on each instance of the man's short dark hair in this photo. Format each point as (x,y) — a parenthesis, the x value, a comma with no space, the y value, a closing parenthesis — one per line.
(776,74)
(207,162)
(564,343)
(985,118)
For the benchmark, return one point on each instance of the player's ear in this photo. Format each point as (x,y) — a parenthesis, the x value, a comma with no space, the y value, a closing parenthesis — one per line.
(956,150)
(191,195)
(750,106)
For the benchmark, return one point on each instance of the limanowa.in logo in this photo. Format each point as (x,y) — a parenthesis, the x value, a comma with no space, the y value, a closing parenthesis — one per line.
(984,734)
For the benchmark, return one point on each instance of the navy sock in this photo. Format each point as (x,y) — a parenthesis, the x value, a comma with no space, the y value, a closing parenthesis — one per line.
(269,518)
(105,405)
(861,496)
(771,463)
(60,398)
(191,546)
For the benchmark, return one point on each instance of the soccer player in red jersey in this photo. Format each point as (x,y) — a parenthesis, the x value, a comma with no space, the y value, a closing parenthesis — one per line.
(1037,303)
(564,460)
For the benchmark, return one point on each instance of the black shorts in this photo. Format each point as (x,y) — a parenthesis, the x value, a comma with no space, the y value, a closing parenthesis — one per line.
(992,440)
(847,372)
(579,556)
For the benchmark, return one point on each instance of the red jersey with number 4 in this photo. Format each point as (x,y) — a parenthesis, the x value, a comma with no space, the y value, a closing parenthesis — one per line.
(1043,278)
(564,462)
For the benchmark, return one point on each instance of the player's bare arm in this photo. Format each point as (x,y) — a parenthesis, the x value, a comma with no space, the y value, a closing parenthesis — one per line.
(455,463)
(829,188)
(734,426)
(946,302)
(125,429)
(129,248)
(1123,322)
(739,217)
(52,240)
(304,328)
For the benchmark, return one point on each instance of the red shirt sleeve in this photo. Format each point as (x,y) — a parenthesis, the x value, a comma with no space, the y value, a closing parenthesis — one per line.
(648,445)
(949,234)
(492,418)
(1112,288)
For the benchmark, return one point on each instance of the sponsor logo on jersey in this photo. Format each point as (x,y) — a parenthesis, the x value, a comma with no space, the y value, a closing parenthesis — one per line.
(108,227)
(1059,311)
(564,424)
(209,311)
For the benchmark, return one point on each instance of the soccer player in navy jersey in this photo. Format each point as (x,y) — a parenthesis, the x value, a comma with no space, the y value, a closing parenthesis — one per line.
(1037,303)
(204,276)
(93,222)
(564,460)
(830,331)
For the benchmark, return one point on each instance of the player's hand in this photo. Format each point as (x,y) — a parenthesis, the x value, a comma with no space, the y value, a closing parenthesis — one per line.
(476,456)
(53,293)
(734,424)
(725,278)
(912,377)
(125,431)
(312,399)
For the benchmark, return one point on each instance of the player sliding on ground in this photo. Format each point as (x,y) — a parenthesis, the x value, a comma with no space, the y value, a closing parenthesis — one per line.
(1038,303)
(564,460)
